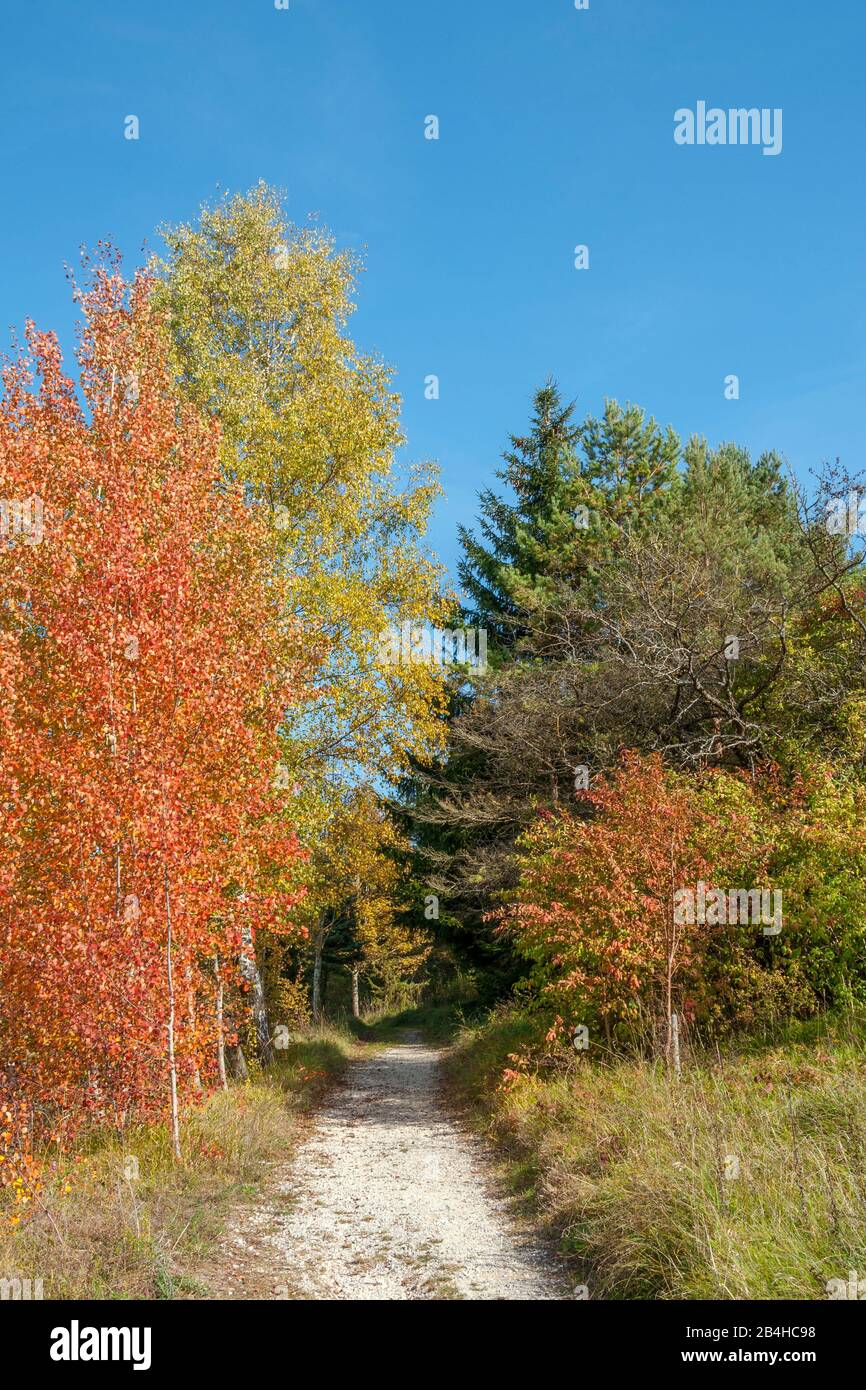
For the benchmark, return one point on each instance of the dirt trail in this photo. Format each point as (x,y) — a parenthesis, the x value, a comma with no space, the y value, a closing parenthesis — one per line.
(388,1199)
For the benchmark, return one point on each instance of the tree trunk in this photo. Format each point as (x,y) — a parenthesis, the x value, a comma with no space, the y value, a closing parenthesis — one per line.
(237,1063)
(324,999)
(317,979)
(172,1064)
(250,972)
(190,1003)
(675,1043)
(317,972)
(672,944)
(669,1010)
(221,1037)
(356,1006)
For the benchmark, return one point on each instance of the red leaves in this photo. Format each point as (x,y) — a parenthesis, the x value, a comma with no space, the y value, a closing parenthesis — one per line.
(140,686)
(594,909)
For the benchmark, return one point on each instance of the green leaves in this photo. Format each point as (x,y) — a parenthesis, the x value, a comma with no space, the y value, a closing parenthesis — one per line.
(257,309)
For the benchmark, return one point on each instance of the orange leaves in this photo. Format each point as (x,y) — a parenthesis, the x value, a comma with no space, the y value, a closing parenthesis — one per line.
(19,1172)
(142,677)
(594,909)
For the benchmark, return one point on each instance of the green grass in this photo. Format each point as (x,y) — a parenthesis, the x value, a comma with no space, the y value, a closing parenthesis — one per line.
(744,1179)
(95,1234)
(436,1024)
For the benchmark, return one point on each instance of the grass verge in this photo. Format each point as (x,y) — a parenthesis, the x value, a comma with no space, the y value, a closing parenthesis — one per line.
(744,1179)
(119,1219)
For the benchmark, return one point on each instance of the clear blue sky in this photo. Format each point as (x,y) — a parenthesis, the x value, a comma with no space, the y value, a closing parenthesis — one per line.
(556,129)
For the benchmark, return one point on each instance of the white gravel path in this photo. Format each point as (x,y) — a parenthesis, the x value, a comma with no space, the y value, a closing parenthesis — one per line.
(388,1199)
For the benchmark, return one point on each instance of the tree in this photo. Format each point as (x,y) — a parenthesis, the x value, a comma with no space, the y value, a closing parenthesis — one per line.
(731,898)
(594,909)
(537,580)
(149,662)
(519,537)
(257,310)
(720,625)
(576,488)
(354,908)
(310,427)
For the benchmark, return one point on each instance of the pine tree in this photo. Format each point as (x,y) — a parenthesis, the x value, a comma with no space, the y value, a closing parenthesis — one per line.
(578,490)
(541,470)
(574,494)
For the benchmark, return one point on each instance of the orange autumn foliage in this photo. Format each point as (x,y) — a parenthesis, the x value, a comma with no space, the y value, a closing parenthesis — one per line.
(594,908)
(144,667)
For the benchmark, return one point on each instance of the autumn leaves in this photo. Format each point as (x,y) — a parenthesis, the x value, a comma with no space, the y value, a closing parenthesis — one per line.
(217,513)
(142,695)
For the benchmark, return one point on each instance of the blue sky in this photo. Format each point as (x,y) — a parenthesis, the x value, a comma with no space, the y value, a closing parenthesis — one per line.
(556,128)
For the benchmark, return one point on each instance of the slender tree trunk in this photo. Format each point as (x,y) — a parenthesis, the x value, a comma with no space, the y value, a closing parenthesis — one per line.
(172,1064)
(190,1004)
(317,971)
(672,945)
(250,971)
(221,1037)
(356,1005)
(237,1063)
(675,1042)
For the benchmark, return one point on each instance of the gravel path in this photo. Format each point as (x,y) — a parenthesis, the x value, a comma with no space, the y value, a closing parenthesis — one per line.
(388,1199)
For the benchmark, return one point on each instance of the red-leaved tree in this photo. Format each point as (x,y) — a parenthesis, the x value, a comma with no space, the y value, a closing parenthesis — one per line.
(144,667)
(594,909)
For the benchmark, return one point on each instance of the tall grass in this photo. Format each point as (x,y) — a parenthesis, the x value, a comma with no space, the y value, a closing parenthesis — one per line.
(119,1218)
(743,1179)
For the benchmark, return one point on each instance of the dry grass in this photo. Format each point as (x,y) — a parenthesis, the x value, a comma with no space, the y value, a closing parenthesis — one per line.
(96,1233)
(745,1179)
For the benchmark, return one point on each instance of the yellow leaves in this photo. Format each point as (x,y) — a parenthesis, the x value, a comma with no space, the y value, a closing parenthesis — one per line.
(310,424)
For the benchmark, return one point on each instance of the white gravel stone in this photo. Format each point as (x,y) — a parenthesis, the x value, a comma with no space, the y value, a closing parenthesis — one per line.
(391,1200)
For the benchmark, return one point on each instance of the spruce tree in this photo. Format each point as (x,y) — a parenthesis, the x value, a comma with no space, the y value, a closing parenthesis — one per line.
(577,489)
(518,537)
